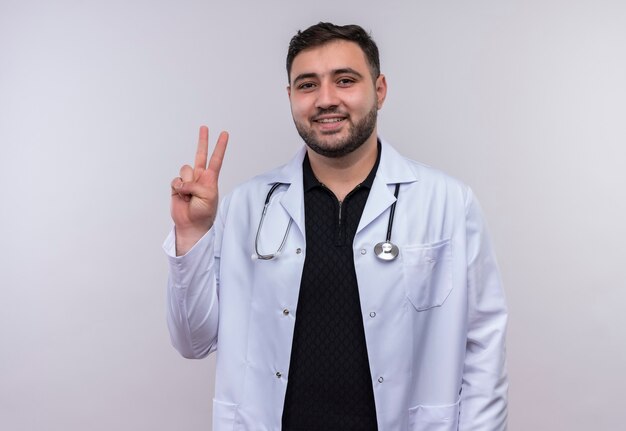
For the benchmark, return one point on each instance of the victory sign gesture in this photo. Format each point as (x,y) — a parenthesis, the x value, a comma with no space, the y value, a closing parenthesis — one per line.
(195,193)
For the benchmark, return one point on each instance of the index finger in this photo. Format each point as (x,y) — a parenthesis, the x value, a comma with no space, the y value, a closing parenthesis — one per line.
(203,149)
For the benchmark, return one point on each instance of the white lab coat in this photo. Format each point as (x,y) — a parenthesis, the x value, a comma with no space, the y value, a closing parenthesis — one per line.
(434,318)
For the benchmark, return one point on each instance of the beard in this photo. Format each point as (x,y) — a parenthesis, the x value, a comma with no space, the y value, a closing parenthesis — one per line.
(357,135)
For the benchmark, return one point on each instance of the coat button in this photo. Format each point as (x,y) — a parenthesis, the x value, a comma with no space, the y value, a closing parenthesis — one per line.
(286,312)
(278,374)
(380,380)
(363,251)
(298,250)
(373,314)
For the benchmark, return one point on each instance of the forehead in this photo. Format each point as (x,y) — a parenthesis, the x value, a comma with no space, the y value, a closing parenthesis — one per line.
(334,55)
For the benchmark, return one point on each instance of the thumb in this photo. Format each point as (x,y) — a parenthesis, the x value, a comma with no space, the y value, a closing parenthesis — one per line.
(191,188)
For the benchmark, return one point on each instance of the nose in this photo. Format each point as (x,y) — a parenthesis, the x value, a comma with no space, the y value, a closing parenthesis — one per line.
(327,96)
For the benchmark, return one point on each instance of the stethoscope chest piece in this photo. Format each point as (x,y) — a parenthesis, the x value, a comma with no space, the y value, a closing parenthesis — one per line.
(386,250)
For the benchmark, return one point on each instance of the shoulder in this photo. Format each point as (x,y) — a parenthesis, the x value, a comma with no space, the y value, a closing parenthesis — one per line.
(256,188)
(421,177)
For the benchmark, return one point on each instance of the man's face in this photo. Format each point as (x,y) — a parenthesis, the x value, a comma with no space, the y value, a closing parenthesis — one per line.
(334,99)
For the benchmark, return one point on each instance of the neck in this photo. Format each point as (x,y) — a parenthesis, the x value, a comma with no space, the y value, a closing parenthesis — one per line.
(341,175)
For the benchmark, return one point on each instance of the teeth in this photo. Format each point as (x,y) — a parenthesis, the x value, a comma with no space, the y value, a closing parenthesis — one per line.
(330,120)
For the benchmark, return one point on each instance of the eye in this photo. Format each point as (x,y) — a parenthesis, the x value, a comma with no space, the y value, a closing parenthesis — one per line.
(345,82)
(306,86)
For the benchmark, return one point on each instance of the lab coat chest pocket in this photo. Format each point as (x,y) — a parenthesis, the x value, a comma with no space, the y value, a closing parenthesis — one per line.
(427,273)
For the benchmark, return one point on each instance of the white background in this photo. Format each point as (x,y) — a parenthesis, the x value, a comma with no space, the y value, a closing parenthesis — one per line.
(100,104)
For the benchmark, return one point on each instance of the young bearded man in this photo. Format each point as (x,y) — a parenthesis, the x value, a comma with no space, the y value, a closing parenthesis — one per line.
(350,289)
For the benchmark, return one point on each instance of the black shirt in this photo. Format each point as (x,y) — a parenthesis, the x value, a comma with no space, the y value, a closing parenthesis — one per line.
(330,384)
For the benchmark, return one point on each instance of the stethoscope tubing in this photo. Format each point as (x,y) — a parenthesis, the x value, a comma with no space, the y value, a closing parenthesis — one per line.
(270,256)
(392,213)
(384,251)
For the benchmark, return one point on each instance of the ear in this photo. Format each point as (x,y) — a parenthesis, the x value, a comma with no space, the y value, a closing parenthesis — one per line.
(289,91)
(381,90)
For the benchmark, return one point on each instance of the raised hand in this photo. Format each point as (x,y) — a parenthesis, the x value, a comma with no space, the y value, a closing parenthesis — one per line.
(195,193)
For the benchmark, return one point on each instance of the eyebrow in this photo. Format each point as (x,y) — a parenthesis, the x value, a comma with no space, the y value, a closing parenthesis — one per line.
(335,72)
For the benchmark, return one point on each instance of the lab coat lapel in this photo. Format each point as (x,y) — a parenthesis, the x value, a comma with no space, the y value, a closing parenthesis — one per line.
(293,198)
(380,198)
(392,169)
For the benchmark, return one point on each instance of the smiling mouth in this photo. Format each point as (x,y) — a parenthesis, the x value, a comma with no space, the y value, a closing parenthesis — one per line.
(330,120)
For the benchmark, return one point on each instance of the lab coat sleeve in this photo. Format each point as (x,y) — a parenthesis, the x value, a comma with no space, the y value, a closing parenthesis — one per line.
(485,382)
(192,294)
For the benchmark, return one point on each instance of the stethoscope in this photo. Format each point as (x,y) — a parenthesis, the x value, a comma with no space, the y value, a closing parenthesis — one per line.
(385,250)
(270,256)
(388,250)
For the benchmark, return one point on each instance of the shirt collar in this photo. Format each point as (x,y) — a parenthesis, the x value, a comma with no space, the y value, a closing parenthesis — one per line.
(310,181)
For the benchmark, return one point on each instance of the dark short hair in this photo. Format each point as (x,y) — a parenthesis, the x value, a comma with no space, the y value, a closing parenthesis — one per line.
(325,32)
